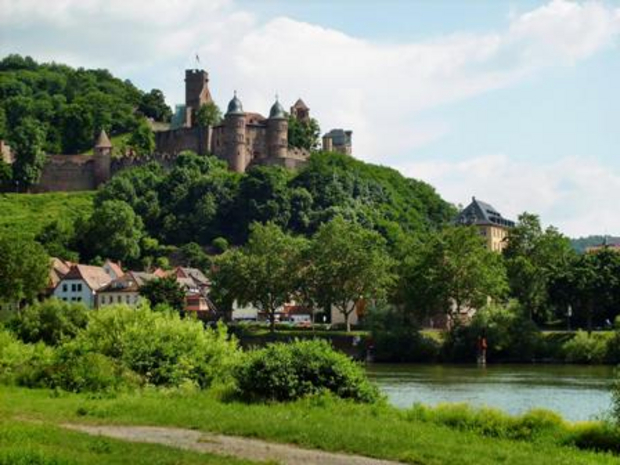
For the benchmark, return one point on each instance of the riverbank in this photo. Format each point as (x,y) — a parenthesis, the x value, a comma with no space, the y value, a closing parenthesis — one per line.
(379,431)
(437,346)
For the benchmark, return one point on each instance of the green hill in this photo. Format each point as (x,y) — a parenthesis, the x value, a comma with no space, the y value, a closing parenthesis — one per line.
(28,213)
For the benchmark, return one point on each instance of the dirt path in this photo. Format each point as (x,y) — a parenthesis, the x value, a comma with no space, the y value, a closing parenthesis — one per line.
(251,449)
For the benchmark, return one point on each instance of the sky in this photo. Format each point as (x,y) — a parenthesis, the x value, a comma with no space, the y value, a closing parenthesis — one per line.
(513,102)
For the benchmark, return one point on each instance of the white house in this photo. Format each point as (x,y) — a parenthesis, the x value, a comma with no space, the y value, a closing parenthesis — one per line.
(81,284)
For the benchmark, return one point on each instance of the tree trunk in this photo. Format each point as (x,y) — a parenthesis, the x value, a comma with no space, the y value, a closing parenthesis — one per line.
(272,321)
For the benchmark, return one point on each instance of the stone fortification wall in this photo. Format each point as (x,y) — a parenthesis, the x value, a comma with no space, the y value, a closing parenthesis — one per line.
(196,139)
(67,173)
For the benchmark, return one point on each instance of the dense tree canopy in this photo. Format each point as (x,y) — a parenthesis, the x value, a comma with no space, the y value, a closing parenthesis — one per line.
(71,105)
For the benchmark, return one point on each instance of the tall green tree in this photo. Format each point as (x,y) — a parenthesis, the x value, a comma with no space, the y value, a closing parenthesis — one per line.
(153,105)
(350,264)
(27,142)
(304,134)
(264,272)
(533,257)
(142,139)
(209,114)
(113,231)
(454,271)
(24,270)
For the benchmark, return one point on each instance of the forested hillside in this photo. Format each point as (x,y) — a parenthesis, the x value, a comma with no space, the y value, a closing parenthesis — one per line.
(68,106)
(200,201)
(581,244)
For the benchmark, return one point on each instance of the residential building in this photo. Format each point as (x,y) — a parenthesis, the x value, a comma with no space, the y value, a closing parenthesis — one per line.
(81,284)
(124,290)
(491,224)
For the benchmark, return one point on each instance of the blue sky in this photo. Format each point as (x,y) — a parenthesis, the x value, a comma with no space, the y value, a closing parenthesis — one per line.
(516,103)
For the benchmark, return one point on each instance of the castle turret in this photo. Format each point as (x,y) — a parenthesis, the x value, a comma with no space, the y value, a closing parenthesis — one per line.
(102,157)
(234,135)
(196,93)
(277,132)
(300,110)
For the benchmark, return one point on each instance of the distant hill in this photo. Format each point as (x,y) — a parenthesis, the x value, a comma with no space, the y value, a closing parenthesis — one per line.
(581,244)
(71,104)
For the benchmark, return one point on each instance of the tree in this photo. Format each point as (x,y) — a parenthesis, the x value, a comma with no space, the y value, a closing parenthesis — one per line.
(208,114)
(304,134)
(57,238)
(6,173)
(113,231)
(454,271)
(153,105)
(262,273)
(78,128)
(164,291)
(533,257)
(194,256)
(349,265)
(142,139)
(24,270)
(27,142)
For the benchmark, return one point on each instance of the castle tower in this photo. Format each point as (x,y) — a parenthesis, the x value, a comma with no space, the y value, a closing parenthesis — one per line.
(234,136)
(277,132)
(196,92)
(300,111)
(102,157)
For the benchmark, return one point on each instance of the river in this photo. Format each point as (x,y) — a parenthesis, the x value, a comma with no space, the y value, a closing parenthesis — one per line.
(575,392)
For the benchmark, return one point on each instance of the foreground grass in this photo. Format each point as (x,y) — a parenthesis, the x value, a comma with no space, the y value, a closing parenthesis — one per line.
(27,214)
(26,443)
(376,431)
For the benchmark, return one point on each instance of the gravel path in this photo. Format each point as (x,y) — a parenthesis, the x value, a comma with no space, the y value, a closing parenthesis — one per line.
(250,449)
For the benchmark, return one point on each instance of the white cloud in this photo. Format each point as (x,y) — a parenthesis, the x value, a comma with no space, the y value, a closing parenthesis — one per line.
(573,193)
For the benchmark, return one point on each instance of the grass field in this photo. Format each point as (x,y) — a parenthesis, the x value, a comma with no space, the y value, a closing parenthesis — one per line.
(27,214)
(376,431)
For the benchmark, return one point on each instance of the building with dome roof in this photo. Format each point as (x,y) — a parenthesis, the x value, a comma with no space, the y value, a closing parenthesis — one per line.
(242,139)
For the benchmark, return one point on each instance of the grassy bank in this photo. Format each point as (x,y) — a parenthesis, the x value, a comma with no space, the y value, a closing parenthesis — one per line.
(411,436)
(28,213)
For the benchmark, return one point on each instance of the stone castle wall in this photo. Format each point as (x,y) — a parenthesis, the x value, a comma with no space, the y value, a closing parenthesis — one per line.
(196,139)
(67,173)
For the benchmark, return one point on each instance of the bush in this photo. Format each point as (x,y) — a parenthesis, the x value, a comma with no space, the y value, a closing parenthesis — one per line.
(22,363)
(160,346)
(284,372)
(74,370)
(584,348)
(220,244)
(50,321)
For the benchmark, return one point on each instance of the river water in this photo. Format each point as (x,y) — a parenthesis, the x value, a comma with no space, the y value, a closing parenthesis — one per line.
(575,392)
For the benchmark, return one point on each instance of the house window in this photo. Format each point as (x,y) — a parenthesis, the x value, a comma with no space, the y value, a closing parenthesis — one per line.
(127,299)
(65,288)
(73,287)
(79,287)
(79,299)
(118,299)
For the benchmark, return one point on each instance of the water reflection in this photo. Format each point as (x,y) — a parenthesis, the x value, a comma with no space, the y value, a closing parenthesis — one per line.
(576,392)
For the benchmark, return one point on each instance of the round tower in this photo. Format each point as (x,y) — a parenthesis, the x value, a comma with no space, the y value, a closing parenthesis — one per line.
(234,136)
(277,132)
(102,158)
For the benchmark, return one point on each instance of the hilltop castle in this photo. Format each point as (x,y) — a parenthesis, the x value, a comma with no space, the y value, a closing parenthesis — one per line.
(242,139)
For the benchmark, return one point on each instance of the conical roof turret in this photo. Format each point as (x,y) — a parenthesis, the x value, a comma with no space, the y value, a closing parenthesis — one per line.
(103,141)
(277,112)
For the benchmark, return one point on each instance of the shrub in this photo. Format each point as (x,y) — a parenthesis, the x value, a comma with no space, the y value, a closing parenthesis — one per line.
(50,321)
(284,372)
(160,346)
(75,370)
(22,363)
(601,436)
(584,348)
(220,244)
